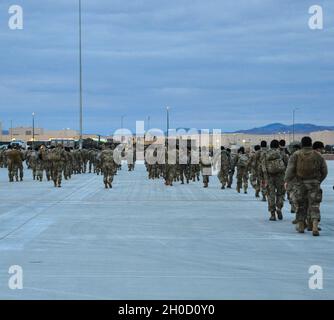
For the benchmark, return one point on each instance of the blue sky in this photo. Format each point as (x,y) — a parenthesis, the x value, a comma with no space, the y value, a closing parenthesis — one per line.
(217,64)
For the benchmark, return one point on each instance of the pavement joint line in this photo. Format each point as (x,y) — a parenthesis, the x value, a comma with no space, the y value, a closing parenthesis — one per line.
(54,204)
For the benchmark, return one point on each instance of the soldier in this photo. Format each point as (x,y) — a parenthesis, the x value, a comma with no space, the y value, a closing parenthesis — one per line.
(3,160)
(274,164)
(205,162)
(261,156)
(232,160)
(184,163)
(40,162)
(254,170)
(309,169)
(131,158)
(242,164)
(170,165)
(222,160)
(291,186)
(57,158)
(14,160)
(68,164)
(108,166)
(32,161)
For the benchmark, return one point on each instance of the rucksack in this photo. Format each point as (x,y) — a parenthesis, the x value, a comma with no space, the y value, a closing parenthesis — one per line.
(275,163)
(243,160)
(306,162)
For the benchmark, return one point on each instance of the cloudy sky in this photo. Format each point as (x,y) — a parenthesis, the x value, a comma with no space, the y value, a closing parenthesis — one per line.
(217,63)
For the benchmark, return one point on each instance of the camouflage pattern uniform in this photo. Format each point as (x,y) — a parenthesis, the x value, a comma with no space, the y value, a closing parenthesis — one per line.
(205,163)
(14,161)
(308,169)
(222,161)
(233,162)
(273,167)
(261,177)
(254,172)
(58,160)
(108,166)
(242,165)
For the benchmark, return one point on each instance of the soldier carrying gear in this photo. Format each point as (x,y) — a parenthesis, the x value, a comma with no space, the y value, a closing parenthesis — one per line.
(108,165)
(14,160)
(308,169)
(222,161)
(57,158)
(205,162)
(254,165)
(273,167)
(242,164)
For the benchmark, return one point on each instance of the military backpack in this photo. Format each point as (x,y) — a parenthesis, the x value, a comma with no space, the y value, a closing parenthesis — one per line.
(306,162)
(274,162)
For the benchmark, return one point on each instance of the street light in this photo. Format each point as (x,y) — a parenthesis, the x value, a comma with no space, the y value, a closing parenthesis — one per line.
(148,123)
(293,123)
(80,76)
(33,131)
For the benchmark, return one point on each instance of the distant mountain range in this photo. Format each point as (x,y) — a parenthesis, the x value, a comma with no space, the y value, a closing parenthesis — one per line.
(275,128)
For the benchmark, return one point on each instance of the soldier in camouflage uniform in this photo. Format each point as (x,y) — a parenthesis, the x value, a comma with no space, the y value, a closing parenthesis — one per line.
(3,159)
(222,162)
(242,165)
(261,177)
(195,168)
(232,159)
(254,170)
(15,159)
(206,166)
(291,187)
(184,164)
(108,166)
(57,158)
(273,166)
(68,165)
(41,162)
(32,161)
(309,169)
(170,165)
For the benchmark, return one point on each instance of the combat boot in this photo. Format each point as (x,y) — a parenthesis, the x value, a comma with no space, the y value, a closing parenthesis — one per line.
(110,186)
(300,227)
(294,221)
(315,229)
(264,199)
(238,189)
(257,194)
(272,217)
(279,214)
(223,187)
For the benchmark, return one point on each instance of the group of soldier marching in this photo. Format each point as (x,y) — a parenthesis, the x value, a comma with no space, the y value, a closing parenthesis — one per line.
(274,172)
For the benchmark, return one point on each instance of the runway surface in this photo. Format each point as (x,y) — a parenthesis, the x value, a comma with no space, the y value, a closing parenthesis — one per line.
(143,240)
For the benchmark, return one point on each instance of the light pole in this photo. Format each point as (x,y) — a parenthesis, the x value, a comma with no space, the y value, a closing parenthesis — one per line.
(148,123)
(33,131)
(80,76)
(293,123)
